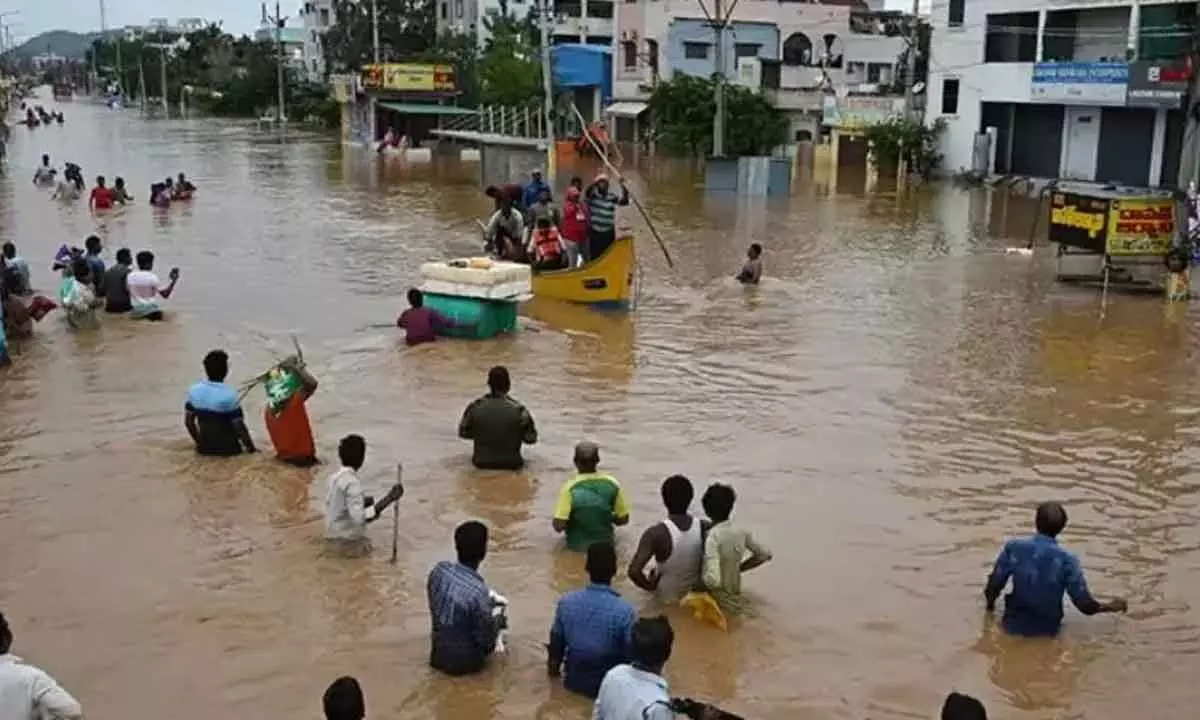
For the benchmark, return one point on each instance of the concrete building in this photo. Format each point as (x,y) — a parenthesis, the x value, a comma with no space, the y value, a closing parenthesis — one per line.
(796,53)
(589,22)
(317,17)
(293,40)
(1088,90)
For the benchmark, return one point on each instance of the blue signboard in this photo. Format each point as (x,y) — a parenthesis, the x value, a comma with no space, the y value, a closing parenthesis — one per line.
(1098,73)
(1102,83)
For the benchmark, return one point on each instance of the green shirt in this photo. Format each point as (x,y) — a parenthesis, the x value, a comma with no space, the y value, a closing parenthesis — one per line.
(725,549)
(588,503)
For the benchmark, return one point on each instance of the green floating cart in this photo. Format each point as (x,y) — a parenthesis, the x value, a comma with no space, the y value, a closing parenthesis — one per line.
(479,295)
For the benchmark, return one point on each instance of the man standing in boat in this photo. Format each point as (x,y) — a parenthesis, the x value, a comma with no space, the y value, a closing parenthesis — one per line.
(602,206)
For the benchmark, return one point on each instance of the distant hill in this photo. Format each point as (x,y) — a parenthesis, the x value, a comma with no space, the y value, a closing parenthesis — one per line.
(68,44)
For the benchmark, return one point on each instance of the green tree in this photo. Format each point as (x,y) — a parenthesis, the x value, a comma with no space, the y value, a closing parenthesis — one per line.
(683,109)
(459,50)
(407,30)
(510,68)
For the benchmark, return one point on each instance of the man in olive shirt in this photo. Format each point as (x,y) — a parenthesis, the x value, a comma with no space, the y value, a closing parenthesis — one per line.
(498,425)
(116,291)
(589,504)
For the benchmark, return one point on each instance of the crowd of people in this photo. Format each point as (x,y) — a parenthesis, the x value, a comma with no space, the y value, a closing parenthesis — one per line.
(102,196)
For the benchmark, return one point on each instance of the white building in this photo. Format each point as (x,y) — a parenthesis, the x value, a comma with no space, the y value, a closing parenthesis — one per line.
(575,21)
(796,53)
(317,17)
(1087,90)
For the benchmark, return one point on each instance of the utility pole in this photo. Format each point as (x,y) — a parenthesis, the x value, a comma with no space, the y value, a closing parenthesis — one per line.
(548,92)
(162,66)
(910,72)
(719,22)
(279,20)
(374,28)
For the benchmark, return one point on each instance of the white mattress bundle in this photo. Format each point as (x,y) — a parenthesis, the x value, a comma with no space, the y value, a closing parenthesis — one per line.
(476,277)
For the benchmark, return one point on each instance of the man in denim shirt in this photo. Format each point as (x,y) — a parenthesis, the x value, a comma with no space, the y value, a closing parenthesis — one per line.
(592,630)
(460,606)
(1041,572)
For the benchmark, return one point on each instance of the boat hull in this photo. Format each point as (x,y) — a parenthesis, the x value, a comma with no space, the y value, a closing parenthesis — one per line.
(605,281)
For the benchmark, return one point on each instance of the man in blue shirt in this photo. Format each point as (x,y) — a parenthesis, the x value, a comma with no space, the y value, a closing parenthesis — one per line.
(1041,572)
(213,412)
(533,190)
(592,628)
(465,624)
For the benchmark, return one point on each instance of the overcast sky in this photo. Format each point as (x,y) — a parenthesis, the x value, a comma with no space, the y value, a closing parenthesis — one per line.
(35,16)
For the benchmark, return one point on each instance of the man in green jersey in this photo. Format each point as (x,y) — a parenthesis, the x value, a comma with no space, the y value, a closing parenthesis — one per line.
(589,504)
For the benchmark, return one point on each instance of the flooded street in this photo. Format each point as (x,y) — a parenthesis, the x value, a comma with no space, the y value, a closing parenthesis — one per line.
(890,404)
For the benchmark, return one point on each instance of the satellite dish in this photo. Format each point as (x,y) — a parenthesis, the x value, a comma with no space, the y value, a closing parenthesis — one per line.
(918,88)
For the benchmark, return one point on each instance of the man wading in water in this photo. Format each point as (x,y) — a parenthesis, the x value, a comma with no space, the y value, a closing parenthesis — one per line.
(498,425)
(347,509)
(1041,572)
(676,545)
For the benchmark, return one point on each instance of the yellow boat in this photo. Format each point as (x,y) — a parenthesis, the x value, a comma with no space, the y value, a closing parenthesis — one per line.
(607,280)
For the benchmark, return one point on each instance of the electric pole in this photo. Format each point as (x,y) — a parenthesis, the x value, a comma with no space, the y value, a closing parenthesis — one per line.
(719,22)
(548,91)
(374,28)
(910,72)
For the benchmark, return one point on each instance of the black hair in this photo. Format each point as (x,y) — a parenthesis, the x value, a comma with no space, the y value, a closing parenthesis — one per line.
(352,451)
(45,159)
(343,700)
(718,502)
(470,542)
(10,250)
(119,181)
(1050,519)
(587,457)
(963,707)
(6,636)
(601,562)
(498,380)
(92,243)
(576,181)
(145,260)
(124,256)
(677,494)
(416,298)
(216,365)
(100,180)
(755,249)
(543,223)
(652,641)
(81,270)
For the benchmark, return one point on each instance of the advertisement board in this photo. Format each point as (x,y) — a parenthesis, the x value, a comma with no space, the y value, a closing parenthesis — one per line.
(1103,83)
(855,112)
(1155,84)
(1078,221)
(1144,226)
(409,77)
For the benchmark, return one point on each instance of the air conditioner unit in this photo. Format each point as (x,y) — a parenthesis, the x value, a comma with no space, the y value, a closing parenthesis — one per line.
(749,72)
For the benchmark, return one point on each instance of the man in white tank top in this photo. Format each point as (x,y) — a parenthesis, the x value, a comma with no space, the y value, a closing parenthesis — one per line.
(676,545)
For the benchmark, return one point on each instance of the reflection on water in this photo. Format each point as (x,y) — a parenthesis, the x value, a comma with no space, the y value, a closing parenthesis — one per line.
(890,403)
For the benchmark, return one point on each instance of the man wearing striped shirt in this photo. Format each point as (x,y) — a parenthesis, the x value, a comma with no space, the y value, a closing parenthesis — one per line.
(461,607)
(602,215)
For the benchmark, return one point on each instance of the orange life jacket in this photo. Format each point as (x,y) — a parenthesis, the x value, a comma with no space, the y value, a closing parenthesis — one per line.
(546,244)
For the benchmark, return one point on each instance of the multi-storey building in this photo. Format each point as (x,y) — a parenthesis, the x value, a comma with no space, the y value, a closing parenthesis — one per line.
(797,53)
(317,17)
(1083,89)
(574,21)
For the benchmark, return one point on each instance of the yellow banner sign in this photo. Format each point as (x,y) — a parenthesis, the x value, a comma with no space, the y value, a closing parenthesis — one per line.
(1141,227)
(409,78)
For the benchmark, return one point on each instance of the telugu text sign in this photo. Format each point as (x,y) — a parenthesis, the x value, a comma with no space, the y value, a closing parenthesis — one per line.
(1070,82)
(409,78)
(1141,227)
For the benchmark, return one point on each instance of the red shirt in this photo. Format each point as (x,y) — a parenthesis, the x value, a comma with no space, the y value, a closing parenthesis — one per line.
(574,221)
(422,325)
(102,198)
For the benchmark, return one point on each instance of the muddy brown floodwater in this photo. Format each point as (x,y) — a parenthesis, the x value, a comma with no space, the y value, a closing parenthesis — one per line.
(890,404)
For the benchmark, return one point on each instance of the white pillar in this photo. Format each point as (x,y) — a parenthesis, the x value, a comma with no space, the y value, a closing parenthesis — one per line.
(1157,145)
(1041,36)
(1135,24)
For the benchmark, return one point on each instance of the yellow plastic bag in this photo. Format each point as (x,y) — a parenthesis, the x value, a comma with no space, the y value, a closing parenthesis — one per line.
(705,609)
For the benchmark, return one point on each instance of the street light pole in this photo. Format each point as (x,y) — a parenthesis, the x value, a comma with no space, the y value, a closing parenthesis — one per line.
(718,22)
(279,115)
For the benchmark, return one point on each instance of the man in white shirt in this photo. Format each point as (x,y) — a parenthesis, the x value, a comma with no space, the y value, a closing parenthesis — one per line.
(638,691)
(347,509)
(145,288)
(27,693)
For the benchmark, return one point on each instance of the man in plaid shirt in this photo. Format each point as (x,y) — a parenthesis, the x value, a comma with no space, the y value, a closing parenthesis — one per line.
(460,605)
(592,627)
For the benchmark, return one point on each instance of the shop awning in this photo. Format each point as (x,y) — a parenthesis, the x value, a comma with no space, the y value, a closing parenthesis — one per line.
(626,109)
(425,109)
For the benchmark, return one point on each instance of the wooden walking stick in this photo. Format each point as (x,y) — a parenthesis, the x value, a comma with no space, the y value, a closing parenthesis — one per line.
(396,516)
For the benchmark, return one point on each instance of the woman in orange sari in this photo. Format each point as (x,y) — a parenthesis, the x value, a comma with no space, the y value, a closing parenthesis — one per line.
(289,386)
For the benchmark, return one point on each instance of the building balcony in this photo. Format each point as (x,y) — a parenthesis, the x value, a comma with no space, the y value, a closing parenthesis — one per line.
(580,26)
